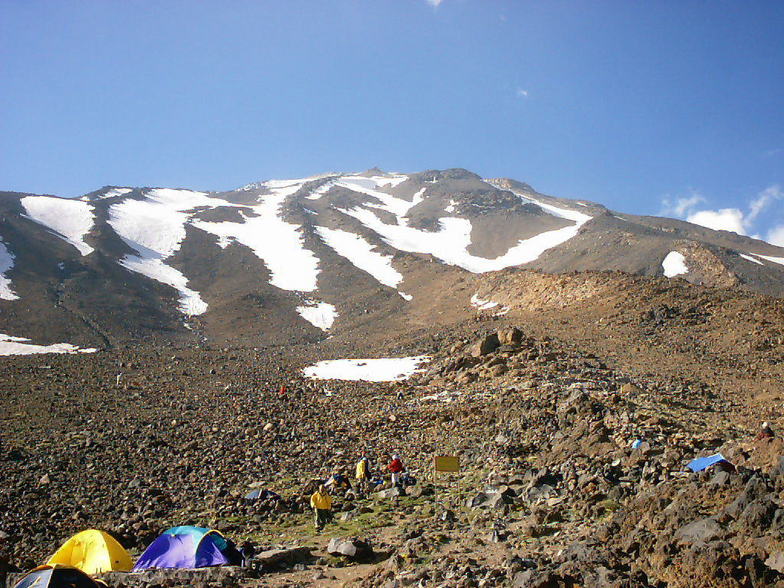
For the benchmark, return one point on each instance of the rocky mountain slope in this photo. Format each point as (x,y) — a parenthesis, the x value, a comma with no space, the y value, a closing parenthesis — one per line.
(304,259)
(540,390)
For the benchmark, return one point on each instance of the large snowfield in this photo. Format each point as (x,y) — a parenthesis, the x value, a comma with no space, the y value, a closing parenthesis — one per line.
(362,254)
(155,229)
(390,369)
(277,243)
(451,242)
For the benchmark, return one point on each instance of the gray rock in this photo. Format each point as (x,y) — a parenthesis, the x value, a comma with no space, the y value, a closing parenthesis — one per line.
(776,561)
(778,471)
(292,555)
(350,547)
(477,500)
(390,493)
(535,579)
(704,530)
(756,518)
(720,479)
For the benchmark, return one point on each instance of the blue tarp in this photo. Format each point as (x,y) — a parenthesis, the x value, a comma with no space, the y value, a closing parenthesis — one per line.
(703,463)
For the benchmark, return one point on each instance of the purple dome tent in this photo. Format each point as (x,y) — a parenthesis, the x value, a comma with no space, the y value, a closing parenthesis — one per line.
(188,547)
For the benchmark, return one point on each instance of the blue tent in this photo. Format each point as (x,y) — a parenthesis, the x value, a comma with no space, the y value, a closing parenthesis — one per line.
(188,547)
(703,463)
(259,494)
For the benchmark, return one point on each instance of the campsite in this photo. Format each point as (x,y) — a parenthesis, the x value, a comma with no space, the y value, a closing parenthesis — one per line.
(391,294)
(567,455)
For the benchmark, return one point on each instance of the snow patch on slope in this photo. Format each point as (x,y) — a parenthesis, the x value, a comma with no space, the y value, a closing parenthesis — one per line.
(450,244)
(277,243)
(155,229)
(481,304)
(396,206)
(6,263)
(360,253)
(19,346)
(321,190)
(112,192)
(374,182)
(750,258)
(70,220)
(319,314)
(368,370)
(674,264)
(191,303)
(779,260)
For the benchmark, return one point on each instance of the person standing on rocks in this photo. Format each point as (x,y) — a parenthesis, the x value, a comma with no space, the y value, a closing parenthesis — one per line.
(397,468)
(321,503)
(362,474)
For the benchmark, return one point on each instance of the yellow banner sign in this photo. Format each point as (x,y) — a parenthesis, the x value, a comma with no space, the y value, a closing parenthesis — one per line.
(447,463)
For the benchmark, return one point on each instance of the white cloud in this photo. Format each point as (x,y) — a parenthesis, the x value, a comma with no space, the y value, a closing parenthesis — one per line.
(725,219)
(682,206)
(763,200)
(434,3)
(728,219)
(522,93)
(776,236)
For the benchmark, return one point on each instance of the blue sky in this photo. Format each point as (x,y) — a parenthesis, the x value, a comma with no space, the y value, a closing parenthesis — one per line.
(647,107)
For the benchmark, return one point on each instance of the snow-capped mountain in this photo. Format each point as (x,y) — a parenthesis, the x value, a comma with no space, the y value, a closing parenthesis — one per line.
(306,257)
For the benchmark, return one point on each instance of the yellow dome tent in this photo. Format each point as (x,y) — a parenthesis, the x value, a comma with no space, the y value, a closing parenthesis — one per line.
(93,552)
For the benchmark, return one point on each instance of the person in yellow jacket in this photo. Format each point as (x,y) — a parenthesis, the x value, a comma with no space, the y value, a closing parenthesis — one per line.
(363,474)
(321,503)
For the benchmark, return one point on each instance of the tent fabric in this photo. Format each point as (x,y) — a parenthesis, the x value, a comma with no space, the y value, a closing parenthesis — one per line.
(261,494)
(188,547)
(93,552)
(56,576)
(703,463)
(188,530)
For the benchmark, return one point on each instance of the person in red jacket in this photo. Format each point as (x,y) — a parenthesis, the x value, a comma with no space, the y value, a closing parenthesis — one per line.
(397,468)
(765,432)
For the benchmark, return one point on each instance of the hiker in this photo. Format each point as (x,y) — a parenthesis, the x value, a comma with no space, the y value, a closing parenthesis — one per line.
(338,481)
(247,551)
(363,474)
(396,467)
(321,502)
(766,432)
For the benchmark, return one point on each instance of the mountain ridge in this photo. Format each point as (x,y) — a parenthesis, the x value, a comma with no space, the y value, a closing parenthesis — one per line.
(307,258)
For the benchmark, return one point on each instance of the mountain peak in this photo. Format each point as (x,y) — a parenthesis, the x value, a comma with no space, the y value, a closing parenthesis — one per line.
(305,254)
